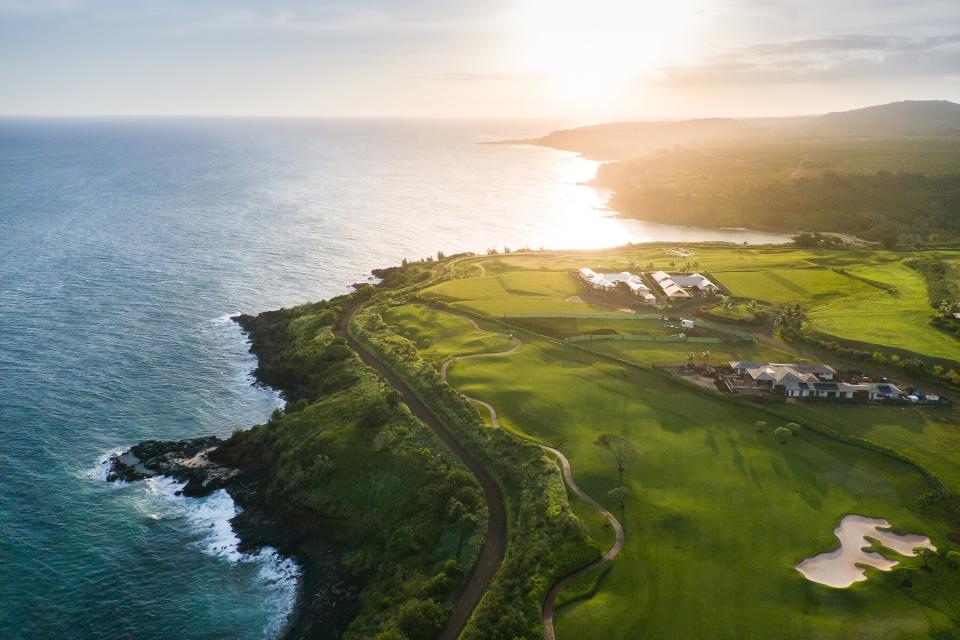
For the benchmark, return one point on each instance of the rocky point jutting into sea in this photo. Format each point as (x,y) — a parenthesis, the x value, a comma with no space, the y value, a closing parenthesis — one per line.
(327,598)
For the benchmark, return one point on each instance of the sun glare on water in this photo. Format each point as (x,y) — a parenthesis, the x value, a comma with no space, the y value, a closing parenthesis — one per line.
(588,52)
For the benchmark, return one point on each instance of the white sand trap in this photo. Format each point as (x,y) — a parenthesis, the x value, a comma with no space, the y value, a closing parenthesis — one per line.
(843,567)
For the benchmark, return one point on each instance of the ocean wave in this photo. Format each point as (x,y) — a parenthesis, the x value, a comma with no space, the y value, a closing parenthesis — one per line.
(246,361)
(100,470)
(208,520)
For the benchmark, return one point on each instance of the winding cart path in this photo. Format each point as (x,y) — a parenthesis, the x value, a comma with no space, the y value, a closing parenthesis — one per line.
(495,544)
(548,605)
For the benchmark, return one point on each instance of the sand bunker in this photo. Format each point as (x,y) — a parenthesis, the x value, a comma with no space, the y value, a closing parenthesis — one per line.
(844,566)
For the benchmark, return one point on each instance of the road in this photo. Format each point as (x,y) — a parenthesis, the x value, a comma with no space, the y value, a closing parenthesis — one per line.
(612,552)
(494,547)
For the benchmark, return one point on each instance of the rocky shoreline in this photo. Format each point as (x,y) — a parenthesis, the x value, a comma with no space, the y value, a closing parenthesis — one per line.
(326,598)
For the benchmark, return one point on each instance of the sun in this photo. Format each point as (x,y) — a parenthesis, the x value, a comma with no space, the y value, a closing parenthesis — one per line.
(590,51)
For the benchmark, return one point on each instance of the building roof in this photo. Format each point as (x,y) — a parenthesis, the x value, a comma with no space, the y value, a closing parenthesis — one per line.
(611,279)
(816,369)
(695,280)
(671,288)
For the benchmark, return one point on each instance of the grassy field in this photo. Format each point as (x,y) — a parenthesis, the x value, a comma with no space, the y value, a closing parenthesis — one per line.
(808,286)
(701,460)
(923,434)
(512,291)
(719,512)
(860,295)
(438,334)
(900,320)
(664,354)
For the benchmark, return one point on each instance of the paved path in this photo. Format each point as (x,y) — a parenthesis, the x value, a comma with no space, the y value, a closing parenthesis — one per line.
(495,545)
(548,604)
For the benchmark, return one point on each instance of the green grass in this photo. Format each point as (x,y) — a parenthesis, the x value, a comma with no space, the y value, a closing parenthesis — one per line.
(513,291)
(810,287)
(874,316)
(922,434)
(565,327)
(740,311)
(438,334)
(719,513)
(665,353)
(691,568)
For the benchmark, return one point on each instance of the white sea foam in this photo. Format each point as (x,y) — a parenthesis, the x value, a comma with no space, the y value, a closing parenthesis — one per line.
(100,470)
(247,362)
(208,519)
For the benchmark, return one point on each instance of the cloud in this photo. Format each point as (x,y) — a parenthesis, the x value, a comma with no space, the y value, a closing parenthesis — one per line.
(494,76)
(27,7)
(833,58)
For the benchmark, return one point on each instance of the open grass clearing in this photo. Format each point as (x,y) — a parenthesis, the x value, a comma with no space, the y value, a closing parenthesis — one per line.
(438,334)
(513,292)
(923,434)
(901,321)
(701,460)
(808,286)
(666,354)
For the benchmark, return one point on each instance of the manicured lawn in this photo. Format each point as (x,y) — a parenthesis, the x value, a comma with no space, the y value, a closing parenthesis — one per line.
(924,434)
(513,291)
(900,320)
(665,353)
(809,287)
(719,513)
(564,327)
(439,334)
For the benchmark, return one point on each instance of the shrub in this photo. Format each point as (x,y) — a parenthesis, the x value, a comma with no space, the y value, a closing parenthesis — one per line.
(953,559)
(783,433)
(421,619)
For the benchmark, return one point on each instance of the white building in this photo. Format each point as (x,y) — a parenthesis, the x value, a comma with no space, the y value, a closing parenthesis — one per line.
(672,290)
(696,281)
(749,367)
(812,381)
(608,282)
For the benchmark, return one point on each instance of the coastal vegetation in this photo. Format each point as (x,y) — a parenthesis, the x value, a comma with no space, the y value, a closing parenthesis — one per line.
(886,173)
(803,467)
(347,462)
(546,539)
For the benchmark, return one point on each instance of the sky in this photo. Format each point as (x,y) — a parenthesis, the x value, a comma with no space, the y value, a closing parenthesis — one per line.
(544,59)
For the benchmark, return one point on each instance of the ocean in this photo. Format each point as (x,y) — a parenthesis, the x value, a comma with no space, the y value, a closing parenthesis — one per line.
(126,245)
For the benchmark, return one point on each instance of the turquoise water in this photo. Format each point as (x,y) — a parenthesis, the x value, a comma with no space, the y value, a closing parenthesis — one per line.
(124,247)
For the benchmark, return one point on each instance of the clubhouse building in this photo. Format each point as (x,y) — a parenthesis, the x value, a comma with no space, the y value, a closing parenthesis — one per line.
(607,283)
(804,381)
(678,287)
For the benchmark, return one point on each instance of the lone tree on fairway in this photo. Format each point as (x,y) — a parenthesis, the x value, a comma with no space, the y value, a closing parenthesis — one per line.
(924,554)
(618,449)
(620,495)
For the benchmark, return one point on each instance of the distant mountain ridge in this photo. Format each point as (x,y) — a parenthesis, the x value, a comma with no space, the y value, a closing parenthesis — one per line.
(624,140)
(917,111)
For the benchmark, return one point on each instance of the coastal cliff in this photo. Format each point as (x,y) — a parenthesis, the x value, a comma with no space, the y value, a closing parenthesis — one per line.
(384,522)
